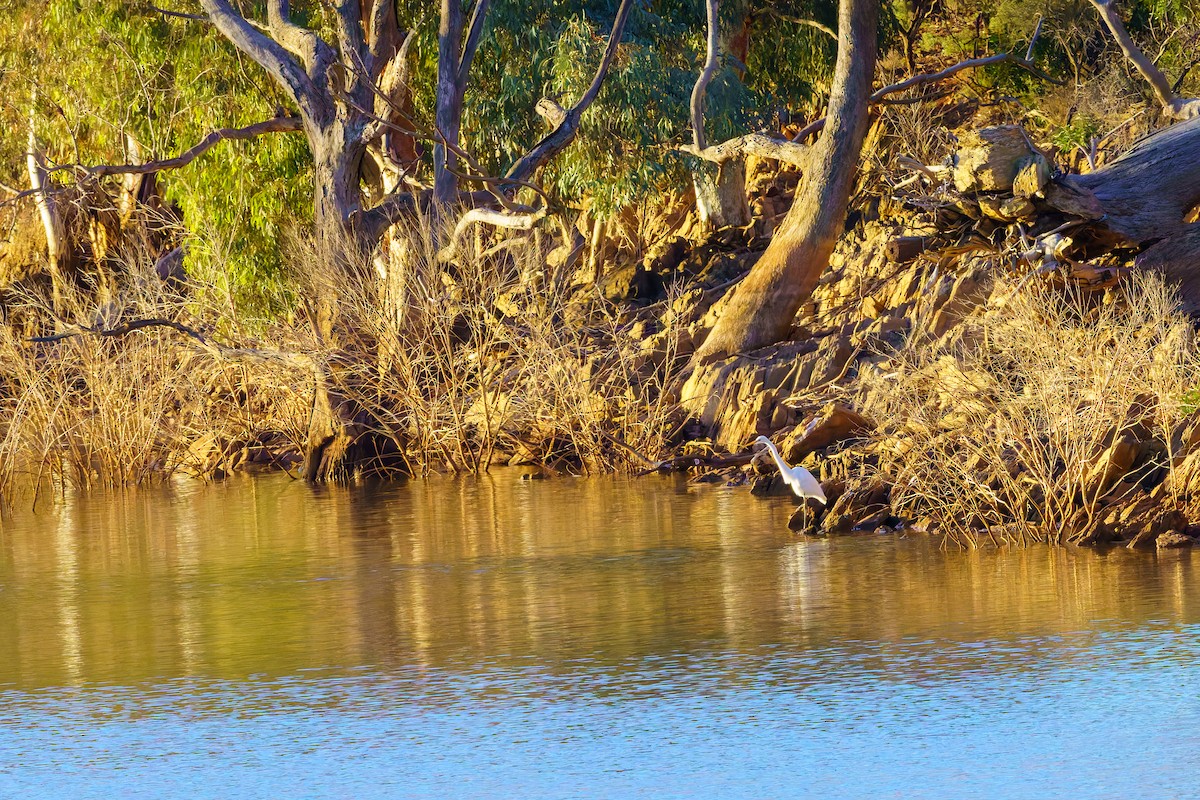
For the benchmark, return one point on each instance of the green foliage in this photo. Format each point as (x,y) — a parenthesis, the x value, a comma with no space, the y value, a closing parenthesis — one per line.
(107,69)
(1078,133)
(624,149)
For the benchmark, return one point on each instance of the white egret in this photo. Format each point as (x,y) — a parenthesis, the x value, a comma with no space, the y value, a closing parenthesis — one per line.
(798,478)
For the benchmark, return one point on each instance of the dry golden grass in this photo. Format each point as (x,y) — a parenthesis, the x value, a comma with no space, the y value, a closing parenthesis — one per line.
(471,360)
(1012,432)
(87,411)
(459,363)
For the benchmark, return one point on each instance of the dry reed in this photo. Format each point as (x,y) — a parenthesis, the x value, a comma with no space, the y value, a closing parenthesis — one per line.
(1012,432)
(490,356)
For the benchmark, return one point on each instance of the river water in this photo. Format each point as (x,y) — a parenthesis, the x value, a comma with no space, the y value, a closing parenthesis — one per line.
(601,638)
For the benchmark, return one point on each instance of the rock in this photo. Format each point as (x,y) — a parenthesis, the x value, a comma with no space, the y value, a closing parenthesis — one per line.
(806,517)
(1110,466)
(991,208)
(762,485)
(1139,522)
(835,423)
(734,399)
(1186,435)
(664,257)
(862,508)
(1173,539)
(1017,208)
(629,282)
(1031,180)
(990,159)
(968,292)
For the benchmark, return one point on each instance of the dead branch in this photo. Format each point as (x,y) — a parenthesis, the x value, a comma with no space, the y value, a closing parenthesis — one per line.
(812,23)
(1172,104)
(497,219)
(684,463)
(882,95)
(297,360)
(757,144)
(275,125)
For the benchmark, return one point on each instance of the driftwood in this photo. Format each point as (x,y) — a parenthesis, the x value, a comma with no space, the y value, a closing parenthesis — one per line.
(684,463)
(1143,200)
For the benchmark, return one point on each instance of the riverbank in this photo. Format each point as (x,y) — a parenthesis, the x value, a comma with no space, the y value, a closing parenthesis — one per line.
(977,361)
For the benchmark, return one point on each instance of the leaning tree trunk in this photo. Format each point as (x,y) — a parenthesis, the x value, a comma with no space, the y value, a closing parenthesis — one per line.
(761,309)
(58,249)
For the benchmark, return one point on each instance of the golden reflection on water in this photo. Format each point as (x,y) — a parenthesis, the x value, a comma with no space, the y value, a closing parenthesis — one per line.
(271,577)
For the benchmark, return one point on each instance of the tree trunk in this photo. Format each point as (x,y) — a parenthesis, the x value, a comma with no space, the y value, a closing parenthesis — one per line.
(337,174)
(721,194)
(1146,193)
(58,250)
(448,111)
(761,309)
(720,188)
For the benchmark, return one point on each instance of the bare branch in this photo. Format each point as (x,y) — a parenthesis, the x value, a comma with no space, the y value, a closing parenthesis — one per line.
(812,23)
(883,95)
(711,56)
(1172,104)
(297,360)
(351,35)
(520,221)
(276,125)
(474,34)
(757,144)
(318,57)
(558,139)
(269,55)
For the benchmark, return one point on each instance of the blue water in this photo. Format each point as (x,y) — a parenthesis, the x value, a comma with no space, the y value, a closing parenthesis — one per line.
(696,650)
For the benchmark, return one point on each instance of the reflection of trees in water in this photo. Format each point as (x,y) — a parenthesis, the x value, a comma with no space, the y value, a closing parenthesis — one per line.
(273,577)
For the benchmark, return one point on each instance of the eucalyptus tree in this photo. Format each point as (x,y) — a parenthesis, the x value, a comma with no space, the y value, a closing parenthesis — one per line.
(345,89)
(761,308)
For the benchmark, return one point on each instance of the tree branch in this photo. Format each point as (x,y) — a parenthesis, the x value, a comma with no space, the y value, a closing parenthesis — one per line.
(318,57)
(297,360)
(521,221)
(276,125)
(711,57)
(812,23)
(757,144)
(474,34)
(1172,104)
(558,139)
(269,55)
(383,35)
(882,95)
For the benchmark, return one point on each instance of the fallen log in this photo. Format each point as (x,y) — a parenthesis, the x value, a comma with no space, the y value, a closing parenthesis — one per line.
(1145,199)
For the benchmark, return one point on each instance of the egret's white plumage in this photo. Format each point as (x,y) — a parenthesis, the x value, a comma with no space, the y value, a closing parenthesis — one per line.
(798,478)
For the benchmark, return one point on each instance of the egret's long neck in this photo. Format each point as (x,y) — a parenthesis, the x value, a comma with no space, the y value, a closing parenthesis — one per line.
(779,462)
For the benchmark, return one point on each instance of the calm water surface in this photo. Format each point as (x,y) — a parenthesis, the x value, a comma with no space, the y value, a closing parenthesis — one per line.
(569,638)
